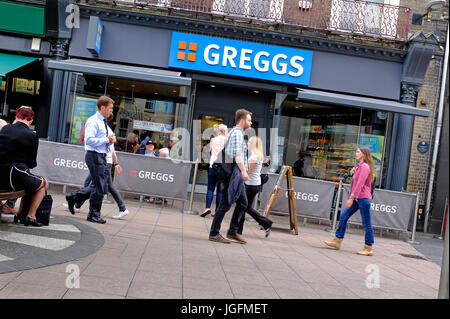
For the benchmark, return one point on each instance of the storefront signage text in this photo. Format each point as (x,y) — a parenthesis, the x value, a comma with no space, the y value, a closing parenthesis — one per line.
(239,58)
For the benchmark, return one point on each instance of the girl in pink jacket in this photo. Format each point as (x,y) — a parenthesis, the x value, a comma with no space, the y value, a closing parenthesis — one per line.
(360,198)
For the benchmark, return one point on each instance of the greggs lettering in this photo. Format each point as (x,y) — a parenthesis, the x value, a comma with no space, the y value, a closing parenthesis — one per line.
(384,208)
(69,163)
(156,176)
(262,60)
(240,58)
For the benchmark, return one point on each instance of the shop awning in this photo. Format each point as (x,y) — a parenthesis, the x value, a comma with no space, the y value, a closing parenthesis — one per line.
(120,71)
(362,102)
(11,62)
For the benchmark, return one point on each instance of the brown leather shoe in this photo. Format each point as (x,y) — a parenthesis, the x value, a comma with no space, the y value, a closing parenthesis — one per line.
(220,239)
(237,238)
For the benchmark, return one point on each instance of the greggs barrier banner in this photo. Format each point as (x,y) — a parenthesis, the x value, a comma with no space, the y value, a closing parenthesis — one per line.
(313,198)
(65,164)
(61,163)
(389,209)
(153,176)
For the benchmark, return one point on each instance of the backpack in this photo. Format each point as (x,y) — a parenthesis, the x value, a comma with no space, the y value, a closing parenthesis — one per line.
(223,166)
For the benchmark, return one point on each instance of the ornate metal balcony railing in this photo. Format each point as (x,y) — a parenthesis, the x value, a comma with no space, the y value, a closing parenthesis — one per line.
(352,17)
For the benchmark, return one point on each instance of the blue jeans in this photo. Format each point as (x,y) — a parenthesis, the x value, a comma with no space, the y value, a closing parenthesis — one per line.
(212,183)
(363,204)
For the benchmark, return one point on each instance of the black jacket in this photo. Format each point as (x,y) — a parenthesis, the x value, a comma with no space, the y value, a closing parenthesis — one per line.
(235,185)
(18,144)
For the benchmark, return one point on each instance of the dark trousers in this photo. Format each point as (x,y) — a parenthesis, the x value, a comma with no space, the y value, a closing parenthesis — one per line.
(252,191)
(224,206)
(85,193)
(96,163)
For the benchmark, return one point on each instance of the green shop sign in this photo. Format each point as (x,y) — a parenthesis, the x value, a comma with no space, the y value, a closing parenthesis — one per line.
(22,18)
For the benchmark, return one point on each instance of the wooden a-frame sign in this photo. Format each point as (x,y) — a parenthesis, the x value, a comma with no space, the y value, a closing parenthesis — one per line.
(285,170)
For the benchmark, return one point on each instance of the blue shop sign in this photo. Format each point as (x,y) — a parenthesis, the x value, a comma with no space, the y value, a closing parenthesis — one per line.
(239,58)
(94,36)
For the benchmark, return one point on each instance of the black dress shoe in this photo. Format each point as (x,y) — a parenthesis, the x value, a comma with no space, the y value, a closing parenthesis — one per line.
(95,219)
(206,213)
(70,203)
(16,218)
(32,222)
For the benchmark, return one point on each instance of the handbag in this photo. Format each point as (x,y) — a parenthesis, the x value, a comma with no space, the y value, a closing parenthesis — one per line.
(264,178)
(223,165)
(44,210)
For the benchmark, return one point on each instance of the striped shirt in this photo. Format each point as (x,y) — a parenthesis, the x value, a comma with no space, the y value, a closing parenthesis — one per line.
(236,145)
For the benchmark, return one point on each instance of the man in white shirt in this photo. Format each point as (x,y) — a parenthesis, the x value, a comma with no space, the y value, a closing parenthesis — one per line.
(97,143)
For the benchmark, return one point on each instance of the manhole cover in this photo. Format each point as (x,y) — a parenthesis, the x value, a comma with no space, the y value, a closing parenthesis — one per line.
(413,256)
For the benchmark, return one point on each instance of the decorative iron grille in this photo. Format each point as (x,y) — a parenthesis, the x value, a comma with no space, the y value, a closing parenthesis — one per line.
(353,17)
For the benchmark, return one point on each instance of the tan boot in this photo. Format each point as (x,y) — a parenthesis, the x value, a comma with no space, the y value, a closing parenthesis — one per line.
(367,251)
(335,243)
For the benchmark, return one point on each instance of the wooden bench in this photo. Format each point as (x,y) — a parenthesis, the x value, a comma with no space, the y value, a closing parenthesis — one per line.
(6,195)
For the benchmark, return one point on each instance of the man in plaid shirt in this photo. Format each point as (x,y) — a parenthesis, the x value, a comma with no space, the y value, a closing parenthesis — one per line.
(236,149)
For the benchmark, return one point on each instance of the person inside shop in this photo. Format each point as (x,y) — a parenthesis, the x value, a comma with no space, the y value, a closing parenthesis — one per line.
(175,146)
(216,144)
(130,145)
(18,153)
(144,138)
(360,199)
(253,184)
(299,165)
(149,151)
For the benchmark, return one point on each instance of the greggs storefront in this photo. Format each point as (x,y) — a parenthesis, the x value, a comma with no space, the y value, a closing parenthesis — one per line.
(312,104)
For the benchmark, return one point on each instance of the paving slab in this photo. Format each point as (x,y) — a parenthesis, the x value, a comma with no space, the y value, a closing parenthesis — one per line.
(158,252)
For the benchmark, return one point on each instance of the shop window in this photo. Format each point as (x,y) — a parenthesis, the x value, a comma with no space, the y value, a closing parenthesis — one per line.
(141,109)
(320,141)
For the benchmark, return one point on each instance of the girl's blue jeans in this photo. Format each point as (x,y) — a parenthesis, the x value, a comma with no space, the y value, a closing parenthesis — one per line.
(363,204)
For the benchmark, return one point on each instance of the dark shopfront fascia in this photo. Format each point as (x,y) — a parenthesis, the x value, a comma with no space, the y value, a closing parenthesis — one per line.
(278,104)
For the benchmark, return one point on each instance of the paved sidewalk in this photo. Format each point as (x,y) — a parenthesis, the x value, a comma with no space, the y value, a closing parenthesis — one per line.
(161,253)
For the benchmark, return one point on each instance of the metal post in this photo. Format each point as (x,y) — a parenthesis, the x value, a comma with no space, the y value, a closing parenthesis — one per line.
(338,199)
(443,281)
(413,235)
(444,218)
(194,180)
(64,189)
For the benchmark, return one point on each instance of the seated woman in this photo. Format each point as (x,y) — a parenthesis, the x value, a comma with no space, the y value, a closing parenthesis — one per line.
(18,152)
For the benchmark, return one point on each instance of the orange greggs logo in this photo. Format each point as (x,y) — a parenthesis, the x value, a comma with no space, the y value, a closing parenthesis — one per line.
(48,160)
(182,46)
(133,173)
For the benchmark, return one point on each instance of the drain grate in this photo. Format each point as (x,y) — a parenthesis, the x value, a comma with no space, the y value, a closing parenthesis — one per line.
(413,256)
